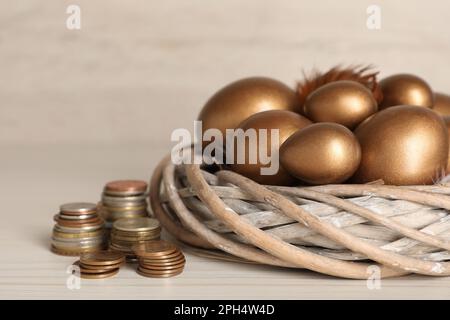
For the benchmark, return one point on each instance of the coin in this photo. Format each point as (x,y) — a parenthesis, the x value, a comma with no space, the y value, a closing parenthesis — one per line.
(96,269)
(102,258)
(154,248)
(102,275)
(76,245)
(65,235)
(78,252)
(79,229)
(163,262)
(78,207)
(162,267)
(145,273)
(130,209)
(126,186)
(118,200)
(90,221)
(136,224)
(77,217)
(105,268)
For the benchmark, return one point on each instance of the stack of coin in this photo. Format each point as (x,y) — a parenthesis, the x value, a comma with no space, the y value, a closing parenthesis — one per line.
(124,199)
(78,229)
(100,265)
(159,259)
(127,232)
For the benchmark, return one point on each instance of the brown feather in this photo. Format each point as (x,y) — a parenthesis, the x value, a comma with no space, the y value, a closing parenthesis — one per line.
(316,79)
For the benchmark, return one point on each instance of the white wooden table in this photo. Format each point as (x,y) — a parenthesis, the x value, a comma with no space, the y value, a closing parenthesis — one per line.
(31,195)
(70,102)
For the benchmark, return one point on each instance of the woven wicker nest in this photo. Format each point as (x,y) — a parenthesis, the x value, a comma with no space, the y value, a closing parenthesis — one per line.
(339,230)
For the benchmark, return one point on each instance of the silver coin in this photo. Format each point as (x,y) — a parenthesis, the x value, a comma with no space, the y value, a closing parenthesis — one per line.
(77,240)
(77,217)
(77,230)
(132,199)
(78,207)
(136,224)
(85,243)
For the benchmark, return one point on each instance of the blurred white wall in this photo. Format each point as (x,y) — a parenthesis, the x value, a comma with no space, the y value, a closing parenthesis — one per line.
(137,69)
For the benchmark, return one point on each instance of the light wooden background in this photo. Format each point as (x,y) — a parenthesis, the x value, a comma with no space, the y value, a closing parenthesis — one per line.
(79,108)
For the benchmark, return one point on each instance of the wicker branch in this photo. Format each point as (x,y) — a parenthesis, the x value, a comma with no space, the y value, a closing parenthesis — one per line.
(328,229)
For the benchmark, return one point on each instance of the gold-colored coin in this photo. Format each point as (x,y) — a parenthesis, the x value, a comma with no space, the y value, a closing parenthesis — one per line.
(136,224)
(93,234)
(154,248)
(102,258)
(136,234)
(135,239)
(122,209)
(102,275)
(72,253)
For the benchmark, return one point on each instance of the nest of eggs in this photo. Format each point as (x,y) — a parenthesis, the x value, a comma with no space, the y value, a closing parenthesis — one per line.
(374,206)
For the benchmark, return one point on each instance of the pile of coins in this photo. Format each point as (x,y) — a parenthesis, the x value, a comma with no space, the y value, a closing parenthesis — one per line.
(127,232)
(124,199)
(100,265)
(159,259)
(78,229)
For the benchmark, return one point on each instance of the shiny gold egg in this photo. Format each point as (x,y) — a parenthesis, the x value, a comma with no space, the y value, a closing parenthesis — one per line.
(442,104)
(287,123)
(344,102)
(403,145)
(405,89)
(234,103)
(321,153)
(447,123)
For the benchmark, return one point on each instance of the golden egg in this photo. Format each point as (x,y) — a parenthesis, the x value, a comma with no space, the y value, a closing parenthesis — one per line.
(234,103)
(447,122)
(403,145)
(344,102)
(405,89)
(287,123)
(321,153)
(442,104)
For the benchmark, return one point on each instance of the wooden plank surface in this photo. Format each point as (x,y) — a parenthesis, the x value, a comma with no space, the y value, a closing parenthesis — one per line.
(31,195)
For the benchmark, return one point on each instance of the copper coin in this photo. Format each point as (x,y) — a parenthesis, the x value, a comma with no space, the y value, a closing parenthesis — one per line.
(129,186)
(99,275)
(167,258)
(96,269)
(78,207)
(66,223)
(171,273)
(161,262)
(154,248)
(102,258)
(104,268)
(168,267)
